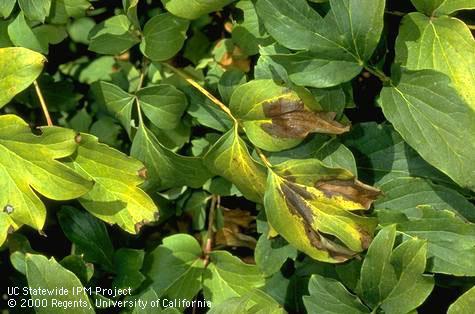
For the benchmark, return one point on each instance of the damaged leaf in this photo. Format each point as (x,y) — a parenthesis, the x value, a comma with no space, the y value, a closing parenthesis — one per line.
(316,209)
(276,118)
(29,165)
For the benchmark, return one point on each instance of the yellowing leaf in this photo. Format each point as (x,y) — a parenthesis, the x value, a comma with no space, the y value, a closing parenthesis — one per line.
(28,164)
(115,197)
(19,67)
(230,158)
(313,208)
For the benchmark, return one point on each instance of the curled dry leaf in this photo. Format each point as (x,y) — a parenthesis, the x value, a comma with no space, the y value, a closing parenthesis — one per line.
(276,118)
(290,119)
(236,223)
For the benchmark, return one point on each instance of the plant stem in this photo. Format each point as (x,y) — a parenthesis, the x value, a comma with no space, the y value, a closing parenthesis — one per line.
(376,72)
(43,104)
(195,84)
(472,27)
(215,200)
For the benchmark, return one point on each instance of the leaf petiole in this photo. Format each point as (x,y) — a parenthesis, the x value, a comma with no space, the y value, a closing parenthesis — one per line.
(43,103)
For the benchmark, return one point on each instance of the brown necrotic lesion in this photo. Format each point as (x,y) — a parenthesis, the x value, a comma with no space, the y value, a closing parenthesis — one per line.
(352,190)
(290,119)
(297,198)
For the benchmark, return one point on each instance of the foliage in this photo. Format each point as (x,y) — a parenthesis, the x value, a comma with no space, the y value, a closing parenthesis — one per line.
(238,156)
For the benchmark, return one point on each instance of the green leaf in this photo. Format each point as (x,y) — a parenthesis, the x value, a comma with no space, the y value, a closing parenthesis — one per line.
(193,9)
(89,234)
(306,201)
(227,277)
(115,197)
(408,194)
(28,164)
(328,295)
(338,45)
(127,265)
(441,7)
(77,265)
(176,267)
(145,307)
(35,10)
(130,7)
(229,82)
(230,158)
(271,254)
(464,304)
(6,8)
(444,44)
(276,118)
(450,239)
(165,168)
(249,33)
(22,35)
(394,280)
(19,67)
(39,272)
(431,117)
(113,36)
(62,10)
(118,102)
(163,105)
(79,29)
(245,304)
(328,149)
(383,155)
(378,277)
(163,36)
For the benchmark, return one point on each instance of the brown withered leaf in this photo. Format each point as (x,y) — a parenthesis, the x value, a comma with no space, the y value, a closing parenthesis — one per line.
(352,190)
(236,222)
(290,119)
